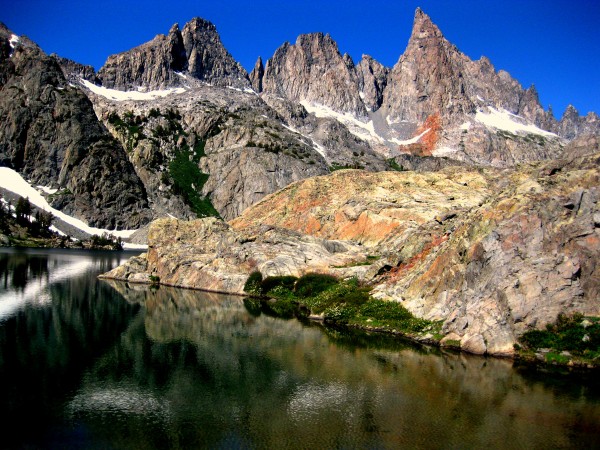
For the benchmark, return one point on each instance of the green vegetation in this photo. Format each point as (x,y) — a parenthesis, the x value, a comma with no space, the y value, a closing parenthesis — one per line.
(106,241)
(183,175)
(25,223)
(394,165)
(188,181)
(340,302)
(130,126)
(313,284)
(570,337)
(253,283)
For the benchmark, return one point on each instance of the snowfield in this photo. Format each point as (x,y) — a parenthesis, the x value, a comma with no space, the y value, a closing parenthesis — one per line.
(120,96)
(504,120)
(12,181)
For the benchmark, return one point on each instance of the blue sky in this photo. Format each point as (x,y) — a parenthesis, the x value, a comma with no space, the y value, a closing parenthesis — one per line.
(554,44)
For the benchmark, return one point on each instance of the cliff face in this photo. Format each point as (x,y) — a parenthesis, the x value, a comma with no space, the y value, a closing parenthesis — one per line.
(366,207)
(50,134)
(196,50)
(313,70)
(492,254)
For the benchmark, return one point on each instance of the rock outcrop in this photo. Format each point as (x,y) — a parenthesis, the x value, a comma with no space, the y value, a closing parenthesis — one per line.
(491,254)
(50,134)
(527,254)
(74,72)
(208,254)
(196,50)
(366,207)
(313,70)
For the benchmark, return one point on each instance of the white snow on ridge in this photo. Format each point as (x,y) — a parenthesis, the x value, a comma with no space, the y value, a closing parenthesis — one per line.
(413,140)
(119,96)
(14,39)
(504,120)
(47,189)
(12,181)
(319,148)
(363,130)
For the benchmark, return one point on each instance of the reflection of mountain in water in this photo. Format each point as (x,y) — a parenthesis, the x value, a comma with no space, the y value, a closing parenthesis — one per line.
(17,269)
(197,368)
(28,277)
(45,350)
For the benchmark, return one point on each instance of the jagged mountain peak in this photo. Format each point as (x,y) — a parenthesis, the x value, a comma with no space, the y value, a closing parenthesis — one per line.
(423,26)
(198,23)
(257,74)
(314,71)
(195,50)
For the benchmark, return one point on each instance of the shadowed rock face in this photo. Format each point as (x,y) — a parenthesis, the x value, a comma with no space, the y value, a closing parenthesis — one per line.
(50,134)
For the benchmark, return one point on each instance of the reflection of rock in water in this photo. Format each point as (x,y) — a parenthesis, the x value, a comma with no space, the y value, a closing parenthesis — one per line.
(220,370)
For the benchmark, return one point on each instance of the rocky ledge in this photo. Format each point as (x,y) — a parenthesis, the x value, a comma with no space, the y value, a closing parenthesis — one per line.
(491,254)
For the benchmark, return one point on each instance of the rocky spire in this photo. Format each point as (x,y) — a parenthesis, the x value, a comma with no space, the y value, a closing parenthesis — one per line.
(197,50)
(207,58)
(428,78)
(572,125)
(256,76)
(531,109)
(177,57)
(313,70)
(372,80)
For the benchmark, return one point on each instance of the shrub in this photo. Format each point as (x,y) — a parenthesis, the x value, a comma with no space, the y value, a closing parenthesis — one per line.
(270,283)
(312,284)
(569,333)
(253,283)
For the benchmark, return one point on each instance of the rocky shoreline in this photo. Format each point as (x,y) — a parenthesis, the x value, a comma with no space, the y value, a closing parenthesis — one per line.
(491,254)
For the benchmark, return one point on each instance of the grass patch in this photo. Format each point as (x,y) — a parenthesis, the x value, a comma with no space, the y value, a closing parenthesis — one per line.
(188,181)
(576,334)
(342,302)
(394,165)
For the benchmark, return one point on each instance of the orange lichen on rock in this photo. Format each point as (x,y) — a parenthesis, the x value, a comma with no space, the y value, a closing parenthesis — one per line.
(403,268)
(432,128)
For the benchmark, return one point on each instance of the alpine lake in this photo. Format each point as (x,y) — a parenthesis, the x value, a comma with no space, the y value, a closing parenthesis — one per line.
(94,364)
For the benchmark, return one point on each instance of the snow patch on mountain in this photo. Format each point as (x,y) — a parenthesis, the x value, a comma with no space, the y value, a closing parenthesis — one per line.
(413,140)
(504,120)
(13,41)
(119,96)
(362,130)
(319,148)
(12,181)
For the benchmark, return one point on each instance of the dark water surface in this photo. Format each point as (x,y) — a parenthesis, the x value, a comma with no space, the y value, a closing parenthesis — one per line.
(86,363)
